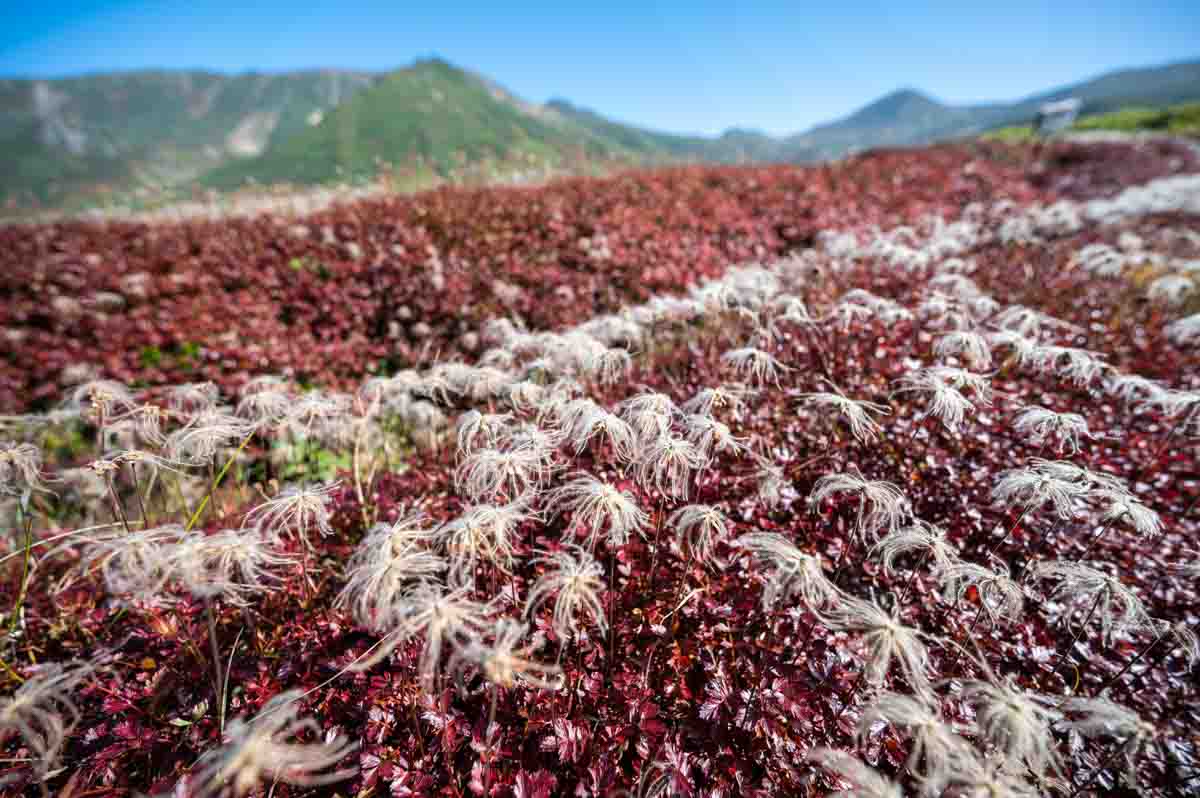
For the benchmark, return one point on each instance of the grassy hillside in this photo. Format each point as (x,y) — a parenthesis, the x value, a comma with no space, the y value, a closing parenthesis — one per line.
(123,131)
(1179,120)
(431,114)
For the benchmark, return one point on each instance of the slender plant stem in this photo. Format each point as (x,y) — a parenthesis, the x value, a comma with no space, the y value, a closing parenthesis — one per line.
(970,632)
(1011,529)
(191,524)
(659,522)
(912,577)
(612,609)
(1133,662)
(23,588)
(1108,760)
(1095,539)
(118,510)
(1067,652)
(853,693)
(215,649)
(358,484)
(137,489)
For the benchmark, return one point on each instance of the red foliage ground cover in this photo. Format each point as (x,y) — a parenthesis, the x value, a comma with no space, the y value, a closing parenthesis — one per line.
(700,682)
(377,284)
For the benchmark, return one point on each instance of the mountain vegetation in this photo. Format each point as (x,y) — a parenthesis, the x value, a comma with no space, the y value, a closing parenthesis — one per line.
(87,139)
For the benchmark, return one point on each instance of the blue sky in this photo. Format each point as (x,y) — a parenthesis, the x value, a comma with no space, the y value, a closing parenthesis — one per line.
(690,66)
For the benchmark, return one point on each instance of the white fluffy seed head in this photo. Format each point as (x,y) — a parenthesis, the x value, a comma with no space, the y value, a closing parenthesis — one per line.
(265,749)
(1040,423)
(856,413)
(576,581)
(699,527)
(882,506)
(790,571)
(600,508)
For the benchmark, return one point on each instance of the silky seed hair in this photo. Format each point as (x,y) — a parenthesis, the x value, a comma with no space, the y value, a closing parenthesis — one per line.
(971,347)
(754,365)
(599,508)
(234,565)
(1117,608)
(482,533)
(1016,722)
(576,580)
(43,712)
(699,528)
(390,560)
(882,506)
(20,468)
(937,749)
(1102,717)
(668,465)
(865,781)
(446,617)
(265,749)
(857,413)
(790,572)
(916,536)
(296,510)
(1040,423)
(942,400)
(1000,597)
(887,640)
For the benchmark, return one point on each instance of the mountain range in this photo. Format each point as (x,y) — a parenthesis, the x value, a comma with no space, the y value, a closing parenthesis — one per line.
(81,139)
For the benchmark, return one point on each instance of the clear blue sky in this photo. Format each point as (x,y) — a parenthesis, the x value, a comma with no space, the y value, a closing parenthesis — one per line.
(687,66)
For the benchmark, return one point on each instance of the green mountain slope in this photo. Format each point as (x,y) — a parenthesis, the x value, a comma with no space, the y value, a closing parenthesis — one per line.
(124,130)
(435,115)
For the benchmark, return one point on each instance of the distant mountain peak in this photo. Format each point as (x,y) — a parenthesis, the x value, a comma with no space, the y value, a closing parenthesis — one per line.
(896,106)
